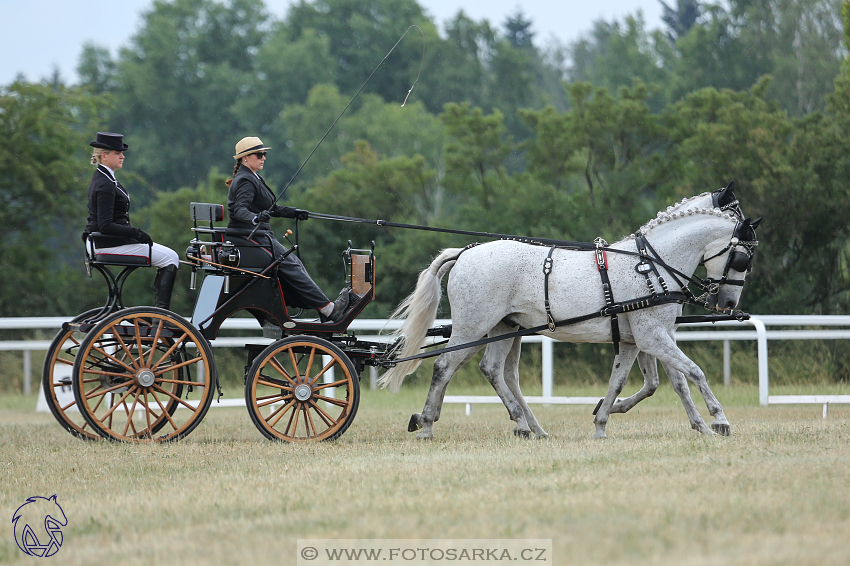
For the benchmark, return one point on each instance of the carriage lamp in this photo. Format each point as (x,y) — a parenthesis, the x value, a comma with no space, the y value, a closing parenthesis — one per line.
(229,254)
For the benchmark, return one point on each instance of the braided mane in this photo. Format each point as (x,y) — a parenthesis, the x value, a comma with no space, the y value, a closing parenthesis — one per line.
(672,214)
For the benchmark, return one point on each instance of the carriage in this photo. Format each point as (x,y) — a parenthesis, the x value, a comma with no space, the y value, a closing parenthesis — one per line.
(148,374)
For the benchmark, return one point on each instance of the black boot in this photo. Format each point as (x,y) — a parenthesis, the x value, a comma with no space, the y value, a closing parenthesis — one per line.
(340,308)
(163,285)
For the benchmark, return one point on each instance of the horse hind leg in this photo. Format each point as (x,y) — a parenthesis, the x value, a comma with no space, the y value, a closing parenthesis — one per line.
(511,379)
(444,369)
(511,371)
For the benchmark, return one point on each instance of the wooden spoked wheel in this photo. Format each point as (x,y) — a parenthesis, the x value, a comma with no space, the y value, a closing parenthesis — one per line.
(144,374)
(56,380)
(301,389)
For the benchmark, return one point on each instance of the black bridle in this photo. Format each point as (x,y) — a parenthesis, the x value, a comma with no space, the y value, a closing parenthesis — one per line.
(738,260)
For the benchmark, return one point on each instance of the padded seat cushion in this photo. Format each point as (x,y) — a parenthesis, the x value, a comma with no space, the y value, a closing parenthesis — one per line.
(121,259)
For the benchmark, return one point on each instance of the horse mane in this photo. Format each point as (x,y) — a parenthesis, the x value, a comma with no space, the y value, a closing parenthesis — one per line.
(673,214)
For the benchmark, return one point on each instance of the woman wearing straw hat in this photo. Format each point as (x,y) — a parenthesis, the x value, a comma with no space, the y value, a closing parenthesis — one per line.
(250,204)
(109,216)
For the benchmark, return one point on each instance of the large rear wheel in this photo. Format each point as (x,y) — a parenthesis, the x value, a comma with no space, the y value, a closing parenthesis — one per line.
(56,379)
(144,374)
(302,388)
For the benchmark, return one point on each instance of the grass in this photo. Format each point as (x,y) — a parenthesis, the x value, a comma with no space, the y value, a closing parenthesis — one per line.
(655,492)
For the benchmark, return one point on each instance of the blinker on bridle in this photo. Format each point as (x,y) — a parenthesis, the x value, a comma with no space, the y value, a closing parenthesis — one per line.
(737,260)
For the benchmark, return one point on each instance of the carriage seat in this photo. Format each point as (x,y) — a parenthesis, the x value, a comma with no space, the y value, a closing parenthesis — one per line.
(121,260)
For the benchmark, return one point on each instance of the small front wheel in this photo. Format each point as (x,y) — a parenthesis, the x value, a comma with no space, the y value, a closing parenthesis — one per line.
(301,389)
(144,374)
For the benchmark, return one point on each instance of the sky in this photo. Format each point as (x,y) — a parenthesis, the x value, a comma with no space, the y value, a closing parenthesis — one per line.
(39,36)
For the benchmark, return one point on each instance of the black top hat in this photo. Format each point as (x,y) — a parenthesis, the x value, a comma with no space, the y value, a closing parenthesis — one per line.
(107,140)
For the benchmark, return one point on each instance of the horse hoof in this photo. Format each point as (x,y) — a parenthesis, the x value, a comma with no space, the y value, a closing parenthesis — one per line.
(413,423)
(722,429)
(702,429)
(600,434)
(542,435)
(521,433)
(424,436)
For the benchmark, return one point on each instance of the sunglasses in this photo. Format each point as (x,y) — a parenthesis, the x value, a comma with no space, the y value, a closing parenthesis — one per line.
(261,155)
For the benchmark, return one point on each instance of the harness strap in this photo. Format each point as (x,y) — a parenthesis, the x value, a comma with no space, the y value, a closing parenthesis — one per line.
(642,302)
(547,269)
(645,267)
(602,268)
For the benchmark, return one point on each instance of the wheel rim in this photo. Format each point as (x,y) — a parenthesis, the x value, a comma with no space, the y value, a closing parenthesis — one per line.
(134,375)
(291,395)
(56,380)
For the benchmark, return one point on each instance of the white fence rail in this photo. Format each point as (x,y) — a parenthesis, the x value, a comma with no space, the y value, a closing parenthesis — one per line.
(756,328)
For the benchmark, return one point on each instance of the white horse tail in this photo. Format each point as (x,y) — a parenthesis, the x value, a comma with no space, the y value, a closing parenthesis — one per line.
(419,311)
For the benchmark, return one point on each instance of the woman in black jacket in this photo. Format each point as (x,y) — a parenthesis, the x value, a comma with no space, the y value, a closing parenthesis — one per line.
(109,217)
(250,204)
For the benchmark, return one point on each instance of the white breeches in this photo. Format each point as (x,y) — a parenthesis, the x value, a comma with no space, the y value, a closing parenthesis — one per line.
(161,256)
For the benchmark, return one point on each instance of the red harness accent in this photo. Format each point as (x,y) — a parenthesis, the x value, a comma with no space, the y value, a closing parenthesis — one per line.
(604,263)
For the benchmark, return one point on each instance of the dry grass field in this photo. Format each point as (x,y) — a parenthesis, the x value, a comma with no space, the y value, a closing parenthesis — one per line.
(776,492)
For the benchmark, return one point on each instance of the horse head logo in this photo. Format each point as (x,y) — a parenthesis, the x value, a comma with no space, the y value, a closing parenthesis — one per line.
(38,526)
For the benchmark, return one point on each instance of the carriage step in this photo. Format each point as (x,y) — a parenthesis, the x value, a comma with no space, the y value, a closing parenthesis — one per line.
(272,331)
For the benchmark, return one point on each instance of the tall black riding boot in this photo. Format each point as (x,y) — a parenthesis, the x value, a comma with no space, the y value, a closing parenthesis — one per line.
(163,285)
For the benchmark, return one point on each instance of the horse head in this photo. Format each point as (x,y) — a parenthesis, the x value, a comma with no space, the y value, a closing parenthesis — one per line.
(727,269)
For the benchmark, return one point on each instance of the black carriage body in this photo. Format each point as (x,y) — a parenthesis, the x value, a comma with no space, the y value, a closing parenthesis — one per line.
(240,274)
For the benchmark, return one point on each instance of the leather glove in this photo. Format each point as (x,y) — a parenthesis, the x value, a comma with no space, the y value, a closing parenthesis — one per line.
(143,237)
(262,217)
(290,212)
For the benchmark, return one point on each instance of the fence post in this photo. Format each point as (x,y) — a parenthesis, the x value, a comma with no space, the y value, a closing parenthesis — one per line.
(27,372)
(546,355)
(764,385)
(727,364)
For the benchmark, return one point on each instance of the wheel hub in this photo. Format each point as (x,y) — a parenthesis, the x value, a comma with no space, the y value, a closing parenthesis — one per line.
(145,377)
(303,392)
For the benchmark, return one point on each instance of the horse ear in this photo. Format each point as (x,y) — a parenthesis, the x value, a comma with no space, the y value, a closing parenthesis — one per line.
(730,186)
(754,224)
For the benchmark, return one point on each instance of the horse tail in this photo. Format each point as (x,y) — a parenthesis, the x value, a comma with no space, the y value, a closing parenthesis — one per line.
(419,310)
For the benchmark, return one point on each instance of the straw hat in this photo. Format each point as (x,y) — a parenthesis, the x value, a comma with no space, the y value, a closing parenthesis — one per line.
(247,146)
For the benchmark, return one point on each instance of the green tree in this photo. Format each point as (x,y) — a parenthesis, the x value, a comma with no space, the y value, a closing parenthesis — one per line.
(179,79)
(476,150)
(44,135)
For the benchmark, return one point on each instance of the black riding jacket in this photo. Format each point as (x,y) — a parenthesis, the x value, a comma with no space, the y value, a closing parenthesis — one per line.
(109,211)
(248,195)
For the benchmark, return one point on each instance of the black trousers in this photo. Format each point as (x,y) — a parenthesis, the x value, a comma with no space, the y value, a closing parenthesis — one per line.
(299,289)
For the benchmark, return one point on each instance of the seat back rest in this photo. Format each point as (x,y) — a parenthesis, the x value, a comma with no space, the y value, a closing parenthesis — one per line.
(206,212)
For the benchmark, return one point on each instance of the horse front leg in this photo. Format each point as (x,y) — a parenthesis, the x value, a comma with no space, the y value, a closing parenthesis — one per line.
(664,347)
(649,369)
(680,386)
(622,365)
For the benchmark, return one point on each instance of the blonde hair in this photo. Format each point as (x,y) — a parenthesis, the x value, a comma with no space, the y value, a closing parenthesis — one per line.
(97,153)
